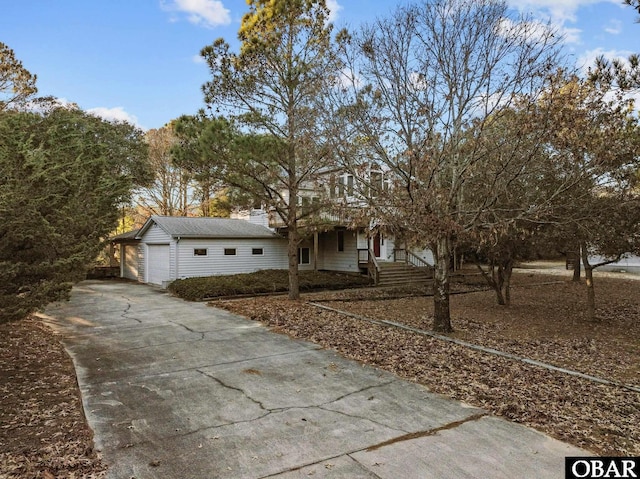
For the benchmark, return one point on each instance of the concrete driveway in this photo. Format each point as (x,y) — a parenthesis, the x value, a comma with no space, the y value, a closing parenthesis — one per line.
(181,390)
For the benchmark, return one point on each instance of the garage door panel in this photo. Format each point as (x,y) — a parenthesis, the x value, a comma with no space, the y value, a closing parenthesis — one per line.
(158,263)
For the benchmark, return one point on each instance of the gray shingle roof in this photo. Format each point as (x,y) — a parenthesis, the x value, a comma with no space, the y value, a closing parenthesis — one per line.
(185,227)
(123,237)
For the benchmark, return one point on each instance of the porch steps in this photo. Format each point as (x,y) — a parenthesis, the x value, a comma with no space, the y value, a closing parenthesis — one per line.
(392,274)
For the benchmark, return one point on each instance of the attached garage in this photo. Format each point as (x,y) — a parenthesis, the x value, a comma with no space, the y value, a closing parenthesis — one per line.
(174,247)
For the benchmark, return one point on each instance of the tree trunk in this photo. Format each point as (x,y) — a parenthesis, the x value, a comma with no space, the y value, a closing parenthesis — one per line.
(206,198)
(499,296)
(183,195)
(591,293)
(508,269)
(441,312)
(492,280)
(294,243)
(576,265)
(315,251)
(497,281)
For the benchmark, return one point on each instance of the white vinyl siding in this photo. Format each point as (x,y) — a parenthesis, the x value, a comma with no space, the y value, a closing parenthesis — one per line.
(362,242)
(155,234)
(141,263)
(217,263)
(386,248)
(333,260)
(159,249)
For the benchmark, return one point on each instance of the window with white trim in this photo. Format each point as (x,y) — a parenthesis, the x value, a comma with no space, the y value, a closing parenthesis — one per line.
(229,251)
(257,251)
(199,251)
(304,256)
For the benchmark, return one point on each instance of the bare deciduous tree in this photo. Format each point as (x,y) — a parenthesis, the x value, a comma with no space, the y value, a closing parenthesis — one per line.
(423,86)
(597,138)
(168,194)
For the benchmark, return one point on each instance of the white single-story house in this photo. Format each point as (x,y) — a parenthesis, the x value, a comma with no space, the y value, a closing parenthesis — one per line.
(167,248)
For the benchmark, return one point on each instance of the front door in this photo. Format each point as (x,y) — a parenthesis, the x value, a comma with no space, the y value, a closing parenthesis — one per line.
(376,245)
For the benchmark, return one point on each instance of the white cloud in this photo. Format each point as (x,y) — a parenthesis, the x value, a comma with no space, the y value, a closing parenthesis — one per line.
(116,114)
(558,12)
(64,103)
(614,27)
(536,30)
(348,79)
(42,105)
(198,59)
(530,31)
(334,7)
(208,13)
(588,58)
(570,35)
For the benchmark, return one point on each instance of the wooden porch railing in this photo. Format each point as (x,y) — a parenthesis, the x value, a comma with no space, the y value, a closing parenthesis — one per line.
(366,257)
(402,255)
(344,216)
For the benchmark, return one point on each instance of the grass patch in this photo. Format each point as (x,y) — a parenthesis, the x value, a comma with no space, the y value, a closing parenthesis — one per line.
(265,281)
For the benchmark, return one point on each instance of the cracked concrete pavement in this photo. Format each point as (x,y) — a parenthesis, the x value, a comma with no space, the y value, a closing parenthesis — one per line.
(182,390)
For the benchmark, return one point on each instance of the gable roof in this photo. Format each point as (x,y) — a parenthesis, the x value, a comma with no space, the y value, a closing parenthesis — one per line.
(187,227)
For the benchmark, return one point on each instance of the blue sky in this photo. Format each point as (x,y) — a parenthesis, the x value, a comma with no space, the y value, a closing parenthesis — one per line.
(139,59)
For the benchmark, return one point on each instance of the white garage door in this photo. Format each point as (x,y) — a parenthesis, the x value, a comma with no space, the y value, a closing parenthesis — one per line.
(130,261)
(158,263)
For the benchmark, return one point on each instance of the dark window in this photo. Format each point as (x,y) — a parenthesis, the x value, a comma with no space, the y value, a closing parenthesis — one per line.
(349,185)
(229,251)
(257,251)
(303,256)
(200,252)
(341,240)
